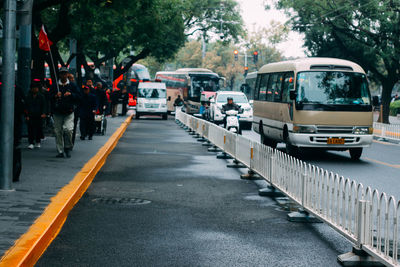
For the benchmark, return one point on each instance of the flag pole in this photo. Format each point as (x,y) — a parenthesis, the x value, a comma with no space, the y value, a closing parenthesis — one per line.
(52,62)
(54,68)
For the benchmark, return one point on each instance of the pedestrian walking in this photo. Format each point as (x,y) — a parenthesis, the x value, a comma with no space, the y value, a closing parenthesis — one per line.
(64,97)
(35,104)
(87,110)
(108,105)
(89,83)
(101,100)
(114,101)
(124,98)
(71,79)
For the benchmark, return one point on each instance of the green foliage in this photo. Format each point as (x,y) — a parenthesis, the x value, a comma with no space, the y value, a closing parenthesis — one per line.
(205,16)
(155,25)
(395,108)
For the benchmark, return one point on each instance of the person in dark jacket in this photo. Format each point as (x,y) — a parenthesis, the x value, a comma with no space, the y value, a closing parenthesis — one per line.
(64,97)
(101,99)
(35,104)
(114,101)
(124,98)
(87,110)
(230,105)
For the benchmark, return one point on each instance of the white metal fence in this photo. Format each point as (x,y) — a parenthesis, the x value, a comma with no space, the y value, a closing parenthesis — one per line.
(387,131)
(366,217)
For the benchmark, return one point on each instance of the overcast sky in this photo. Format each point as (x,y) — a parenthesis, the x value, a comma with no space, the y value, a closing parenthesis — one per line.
(254,14)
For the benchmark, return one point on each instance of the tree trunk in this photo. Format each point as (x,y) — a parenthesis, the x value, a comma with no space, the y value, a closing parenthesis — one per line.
(387,87)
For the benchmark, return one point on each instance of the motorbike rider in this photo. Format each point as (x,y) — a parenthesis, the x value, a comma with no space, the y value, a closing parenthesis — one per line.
(178,101)
(230,105)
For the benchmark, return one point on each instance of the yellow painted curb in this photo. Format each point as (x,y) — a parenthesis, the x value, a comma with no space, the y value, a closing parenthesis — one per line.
(31,245)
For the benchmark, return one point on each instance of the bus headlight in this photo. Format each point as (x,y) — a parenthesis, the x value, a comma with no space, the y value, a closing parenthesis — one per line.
(163,105)
(247,109)
(307,129)
(363,130)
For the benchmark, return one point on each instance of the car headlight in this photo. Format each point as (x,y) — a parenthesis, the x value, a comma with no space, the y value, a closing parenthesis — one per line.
(309,129)
(363,130)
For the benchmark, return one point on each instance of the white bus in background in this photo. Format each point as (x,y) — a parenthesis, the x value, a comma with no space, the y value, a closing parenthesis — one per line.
(320,103)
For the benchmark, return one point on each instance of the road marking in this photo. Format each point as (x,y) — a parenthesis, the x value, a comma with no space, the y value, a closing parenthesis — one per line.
(397,166)
(385,143)
(30,246)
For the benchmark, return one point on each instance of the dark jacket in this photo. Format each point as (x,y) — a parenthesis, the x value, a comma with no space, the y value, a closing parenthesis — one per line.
(64,104)
(228,107)
(87,105)
(101,99)
(115,97)
(35,105)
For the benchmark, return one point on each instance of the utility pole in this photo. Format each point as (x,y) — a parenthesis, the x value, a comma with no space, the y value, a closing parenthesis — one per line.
(7,96)
(204,45)
(24,45)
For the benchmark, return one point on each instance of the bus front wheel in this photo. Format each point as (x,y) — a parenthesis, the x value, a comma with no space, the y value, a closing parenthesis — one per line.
(137,116)
(355,153)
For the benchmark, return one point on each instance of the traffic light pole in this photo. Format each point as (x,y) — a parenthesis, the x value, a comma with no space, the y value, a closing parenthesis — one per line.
(7,96)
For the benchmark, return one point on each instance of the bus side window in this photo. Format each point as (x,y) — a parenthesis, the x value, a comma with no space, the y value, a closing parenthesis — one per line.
(278,88)
(288,84)
(262,92)
(256,91)
(271,86)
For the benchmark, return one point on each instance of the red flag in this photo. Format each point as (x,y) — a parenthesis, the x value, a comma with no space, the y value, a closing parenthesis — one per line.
(44,42)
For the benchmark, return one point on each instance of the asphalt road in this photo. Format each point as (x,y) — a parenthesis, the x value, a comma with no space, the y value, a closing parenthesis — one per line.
(162,200)
(379,166)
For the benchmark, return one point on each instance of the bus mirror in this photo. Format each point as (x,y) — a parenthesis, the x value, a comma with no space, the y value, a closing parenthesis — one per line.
(169,98)
(251,102)
(293,94)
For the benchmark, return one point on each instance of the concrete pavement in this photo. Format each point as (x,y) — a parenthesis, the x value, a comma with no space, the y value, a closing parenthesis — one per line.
(163,200)
(42,177)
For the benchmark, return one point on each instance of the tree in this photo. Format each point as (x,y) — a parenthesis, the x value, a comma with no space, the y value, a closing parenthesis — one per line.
(106,30)
(207,15)
(366,32)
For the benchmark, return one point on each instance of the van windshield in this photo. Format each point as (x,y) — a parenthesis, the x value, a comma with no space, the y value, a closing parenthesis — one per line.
(152,93)
(223,98)
(332,88)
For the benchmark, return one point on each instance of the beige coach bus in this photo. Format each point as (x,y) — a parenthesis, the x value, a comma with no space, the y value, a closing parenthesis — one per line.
(320,103)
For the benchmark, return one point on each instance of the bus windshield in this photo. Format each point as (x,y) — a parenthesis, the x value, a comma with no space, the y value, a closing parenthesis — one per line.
(152,93)
(201,83)
(332,88)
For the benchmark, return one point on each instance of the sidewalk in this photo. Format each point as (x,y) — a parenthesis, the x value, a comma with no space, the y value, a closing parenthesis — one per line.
(43,175)
(392,119)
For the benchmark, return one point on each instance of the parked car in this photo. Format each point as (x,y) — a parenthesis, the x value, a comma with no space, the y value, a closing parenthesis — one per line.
(239,98)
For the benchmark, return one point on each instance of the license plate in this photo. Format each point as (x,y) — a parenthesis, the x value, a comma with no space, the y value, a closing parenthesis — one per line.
(335,141)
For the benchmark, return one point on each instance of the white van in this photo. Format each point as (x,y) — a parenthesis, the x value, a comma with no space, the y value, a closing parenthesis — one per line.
(152,99)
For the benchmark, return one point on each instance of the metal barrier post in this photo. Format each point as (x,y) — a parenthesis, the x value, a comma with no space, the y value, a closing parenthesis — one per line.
(251,175)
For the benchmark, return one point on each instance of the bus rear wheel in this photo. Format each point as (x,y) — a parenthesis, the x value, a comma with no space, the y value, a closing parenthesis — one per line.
(355,153)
